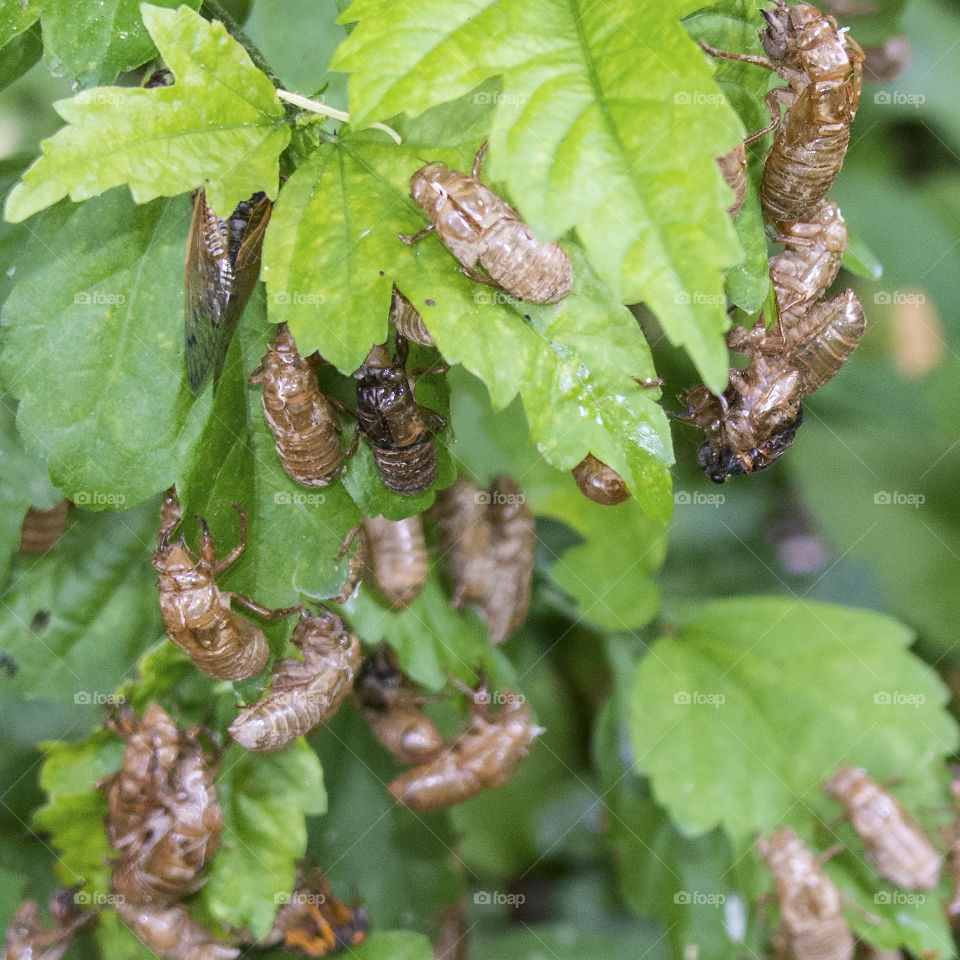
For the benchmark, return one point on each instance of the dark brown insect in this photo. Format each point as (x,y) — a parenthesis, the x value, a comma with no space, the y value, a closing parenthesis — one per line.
(393,709)
(733,167)
(303,693)
(406,318)
(399,431)
(823,70)
(171,934)
(598,482)
(221,269)
(483,758)
(395,555)
(41,529)
(489,541)
(478,226)
(893,843)
(196,613)
(313,922)
(159,78)
(28,938)
(302,420)
(812,926)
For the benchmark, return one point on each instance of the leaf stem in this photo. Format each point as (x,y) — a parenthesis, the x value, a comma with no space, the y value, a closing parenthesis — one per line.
(314,107)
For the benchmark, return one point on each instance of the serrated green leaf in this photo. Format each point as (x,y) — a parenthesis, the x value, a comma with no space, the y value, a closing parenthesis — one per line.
(582,104)
(759,681)
(265,798)
(77,618)
(166,140)
(92,41)
(19,55)
(74,811)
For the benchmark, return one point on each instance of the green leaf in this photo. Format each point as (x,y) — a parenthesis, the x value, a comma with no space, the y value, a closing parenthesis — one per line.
(77,618)
(567,940)
(74,812)
(166,140)
(19,55)
(760,681)
(588,132)
(91,41)
(394,945)
(265,798)
(15,18)
(858,258)
(332,286)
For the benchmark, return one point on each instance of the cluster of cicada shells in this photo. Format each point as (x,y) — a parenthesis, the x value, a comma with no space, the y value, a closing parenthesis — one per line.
(754,421)
(812,924)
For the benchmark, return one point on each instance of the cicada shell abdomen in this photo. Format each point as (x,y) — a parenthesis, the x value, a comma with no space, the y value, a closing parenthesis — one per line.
(812,926)
(733,167)
(892,841)
(406,318)
(171,934)
(196,614)
(824,69)
(393,710)
(396,558)
(222,266)
(41,529)
(600,483)
(399,431)
(28,938)
(302,420)
(303,693)
(514,544)
(477,226)
(465,539)
(484,758)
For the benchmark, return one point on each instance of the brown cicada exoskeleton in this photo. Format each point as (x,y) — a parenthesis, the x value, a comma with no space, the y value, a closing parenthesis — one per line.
(477,226)
(171,934)
(823,70)
(313,922)
(303,693)
(41,529)
(28,938)
(892,841)
(812,926)
(489,541)
(598,482)
(406,318)
(886,62)
(393,710)
(221,269)
(399,431)
(733,167)
(302,420)
(196,613)
(395,558)
(484,758)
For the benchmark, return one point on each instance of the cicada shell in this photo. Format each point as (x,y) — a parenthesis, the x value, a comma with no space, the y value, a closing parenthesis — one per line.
(221,270)
(313,922)
(600,483)
(488,539)
(393,710)
(406,318)
(823,70)
(812,926)
(302,420)
(477,226)
(28,938)
(396,558)
(953,905)
(171,934)
(484,758)
(303,693)
(399,431)
(892,841)
(452,942)
(733,167)
(41,529)
(196,613)
(886,62)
